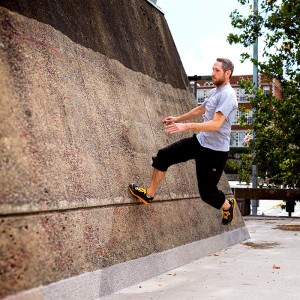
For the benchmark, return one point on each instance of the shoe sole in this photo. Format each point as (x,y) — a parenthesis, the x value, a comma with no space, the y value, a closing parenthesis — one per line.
(145,202)
(234,205)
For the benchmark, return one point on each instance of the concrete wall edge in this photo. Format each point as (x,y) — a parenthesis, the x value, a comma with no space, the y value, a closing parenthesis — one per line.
(96,284)
(156,6)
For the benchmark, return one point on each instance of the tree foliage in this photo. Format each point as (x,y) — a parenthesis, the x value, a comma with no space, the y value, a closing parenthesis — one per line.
(276,121)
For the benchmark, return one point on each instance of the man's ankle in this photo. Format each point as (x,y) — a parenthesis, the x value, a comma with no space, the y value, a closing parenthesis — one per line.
(150,194)
(226,205)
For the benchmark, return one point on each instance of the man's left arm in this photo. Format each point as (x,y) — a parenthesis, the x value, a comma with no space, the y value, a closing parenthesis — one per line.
(208,126)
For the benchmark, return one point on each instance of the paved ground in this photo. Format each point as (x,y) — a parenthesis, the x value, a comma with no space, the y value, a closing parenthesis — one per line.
(265,267)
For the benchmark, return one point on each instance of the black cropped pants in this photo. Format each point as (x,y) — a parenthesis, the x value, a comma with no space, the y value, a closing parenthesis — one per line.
(209,166)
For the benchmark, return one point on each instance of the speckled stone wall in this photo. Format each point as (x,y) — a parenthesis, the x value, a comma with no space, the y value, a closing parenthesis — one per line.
(80,119)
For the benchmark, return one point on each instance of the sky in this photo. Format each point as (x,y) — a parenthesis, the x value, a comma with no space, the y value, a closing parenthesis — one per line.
(200,29)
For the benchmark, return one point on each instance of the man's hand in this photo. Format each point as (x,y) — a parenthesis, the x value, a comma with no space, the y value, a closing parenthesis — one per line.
(169,120)
(176,127)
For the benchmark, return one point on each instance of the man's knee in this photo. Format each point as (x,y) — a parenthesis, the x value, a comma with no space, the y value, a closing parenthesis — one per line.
(160,161)
(214,198)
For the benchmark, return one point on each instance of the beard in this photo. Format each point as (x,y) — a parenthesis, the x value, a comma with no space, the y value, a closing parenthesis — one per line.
(218,82)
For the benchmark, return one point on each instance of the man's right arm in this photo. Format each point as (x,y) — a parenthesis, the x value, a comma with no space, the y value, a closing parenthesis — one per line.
(192,114)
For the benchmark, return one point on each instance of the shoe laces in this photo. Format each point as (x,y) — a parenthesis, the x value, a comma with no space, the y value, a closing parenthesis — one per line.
(226,214)
(141,190)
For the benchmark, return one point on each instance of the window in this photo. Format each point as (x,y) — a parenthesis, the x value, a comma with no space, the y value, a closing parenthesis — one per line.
(200,96)
(237,115)
(243,97)
(236,138)
(266,90)
(246,116)
(249,117)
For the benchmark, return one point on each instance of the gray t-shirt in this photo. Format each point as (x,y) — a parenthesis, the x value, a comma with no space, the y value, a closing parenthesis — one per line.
(222,99)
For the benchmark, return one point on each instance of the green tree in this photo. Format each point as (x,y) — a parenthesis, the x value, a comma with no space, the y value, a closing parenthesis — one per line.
(244,170)
(276,121)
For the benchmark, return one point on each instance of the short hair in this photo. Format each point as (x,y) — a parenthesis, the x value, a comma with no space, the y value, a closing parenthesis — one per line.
(226,64)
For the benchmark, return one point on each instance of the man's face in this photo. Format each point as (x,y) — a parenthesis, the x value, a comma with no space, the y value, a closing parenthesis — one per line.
(218,74)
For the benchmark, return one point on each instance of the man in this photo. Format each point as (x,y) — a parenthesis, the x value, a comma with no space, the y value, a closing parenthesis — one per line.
(209,147)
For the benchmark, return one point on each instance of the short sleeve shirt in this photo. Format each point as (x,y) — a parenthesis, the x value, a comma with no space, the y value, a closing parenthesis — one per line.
(222,99)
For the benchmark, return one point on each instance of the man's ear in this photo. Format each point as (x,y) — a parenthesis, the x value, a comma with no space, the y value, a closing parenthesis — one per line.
(228,73)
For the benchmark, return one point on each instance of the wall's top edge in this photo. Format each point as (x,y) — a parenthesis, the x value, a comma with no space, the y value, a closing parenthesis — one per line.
(157,7)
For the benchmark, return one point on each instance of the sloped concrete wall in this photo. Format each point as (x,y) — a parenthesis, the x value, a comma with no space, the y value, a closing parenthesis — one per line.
(84,87)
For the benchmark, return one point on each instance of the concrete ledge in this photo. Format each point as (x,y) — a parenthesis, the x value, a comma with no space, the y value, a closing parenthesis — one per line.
(93,285)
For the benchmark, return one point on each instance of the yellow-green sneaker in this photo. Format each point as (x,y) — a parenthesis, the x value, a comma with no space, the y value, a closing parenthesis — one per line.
(228,214)
(140,193)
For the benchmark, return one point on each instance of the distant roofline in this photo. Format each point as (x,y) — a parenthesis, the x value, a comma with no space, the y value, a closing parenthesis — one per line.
(205,77)
(157,7)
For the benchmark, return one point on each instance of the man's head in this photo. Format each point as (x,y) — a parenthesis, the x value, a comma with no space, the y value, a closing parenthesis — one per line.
(222,71)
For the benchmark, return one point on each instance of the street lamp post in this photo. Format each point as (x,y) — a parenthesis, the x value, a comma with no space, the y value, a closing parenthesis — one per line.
(255,203)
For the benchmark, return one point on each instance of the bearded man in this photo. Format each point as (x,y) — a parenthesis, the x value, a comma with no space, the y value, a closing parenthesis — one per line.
(209,148)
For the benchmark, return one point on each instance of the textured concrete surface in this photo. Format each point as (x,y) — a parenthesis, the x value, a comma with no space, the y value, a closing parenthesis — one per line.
(129,31)
(77,125)
(71,116)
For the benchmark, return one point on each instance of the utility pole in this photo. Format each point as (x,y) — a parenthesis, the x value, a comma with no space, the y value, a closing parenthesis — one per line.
(255,47)
(255,203)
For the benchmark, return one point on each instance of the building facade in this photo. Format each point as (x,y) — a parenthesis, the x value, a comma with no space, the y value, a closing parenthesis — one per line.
(201,86)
